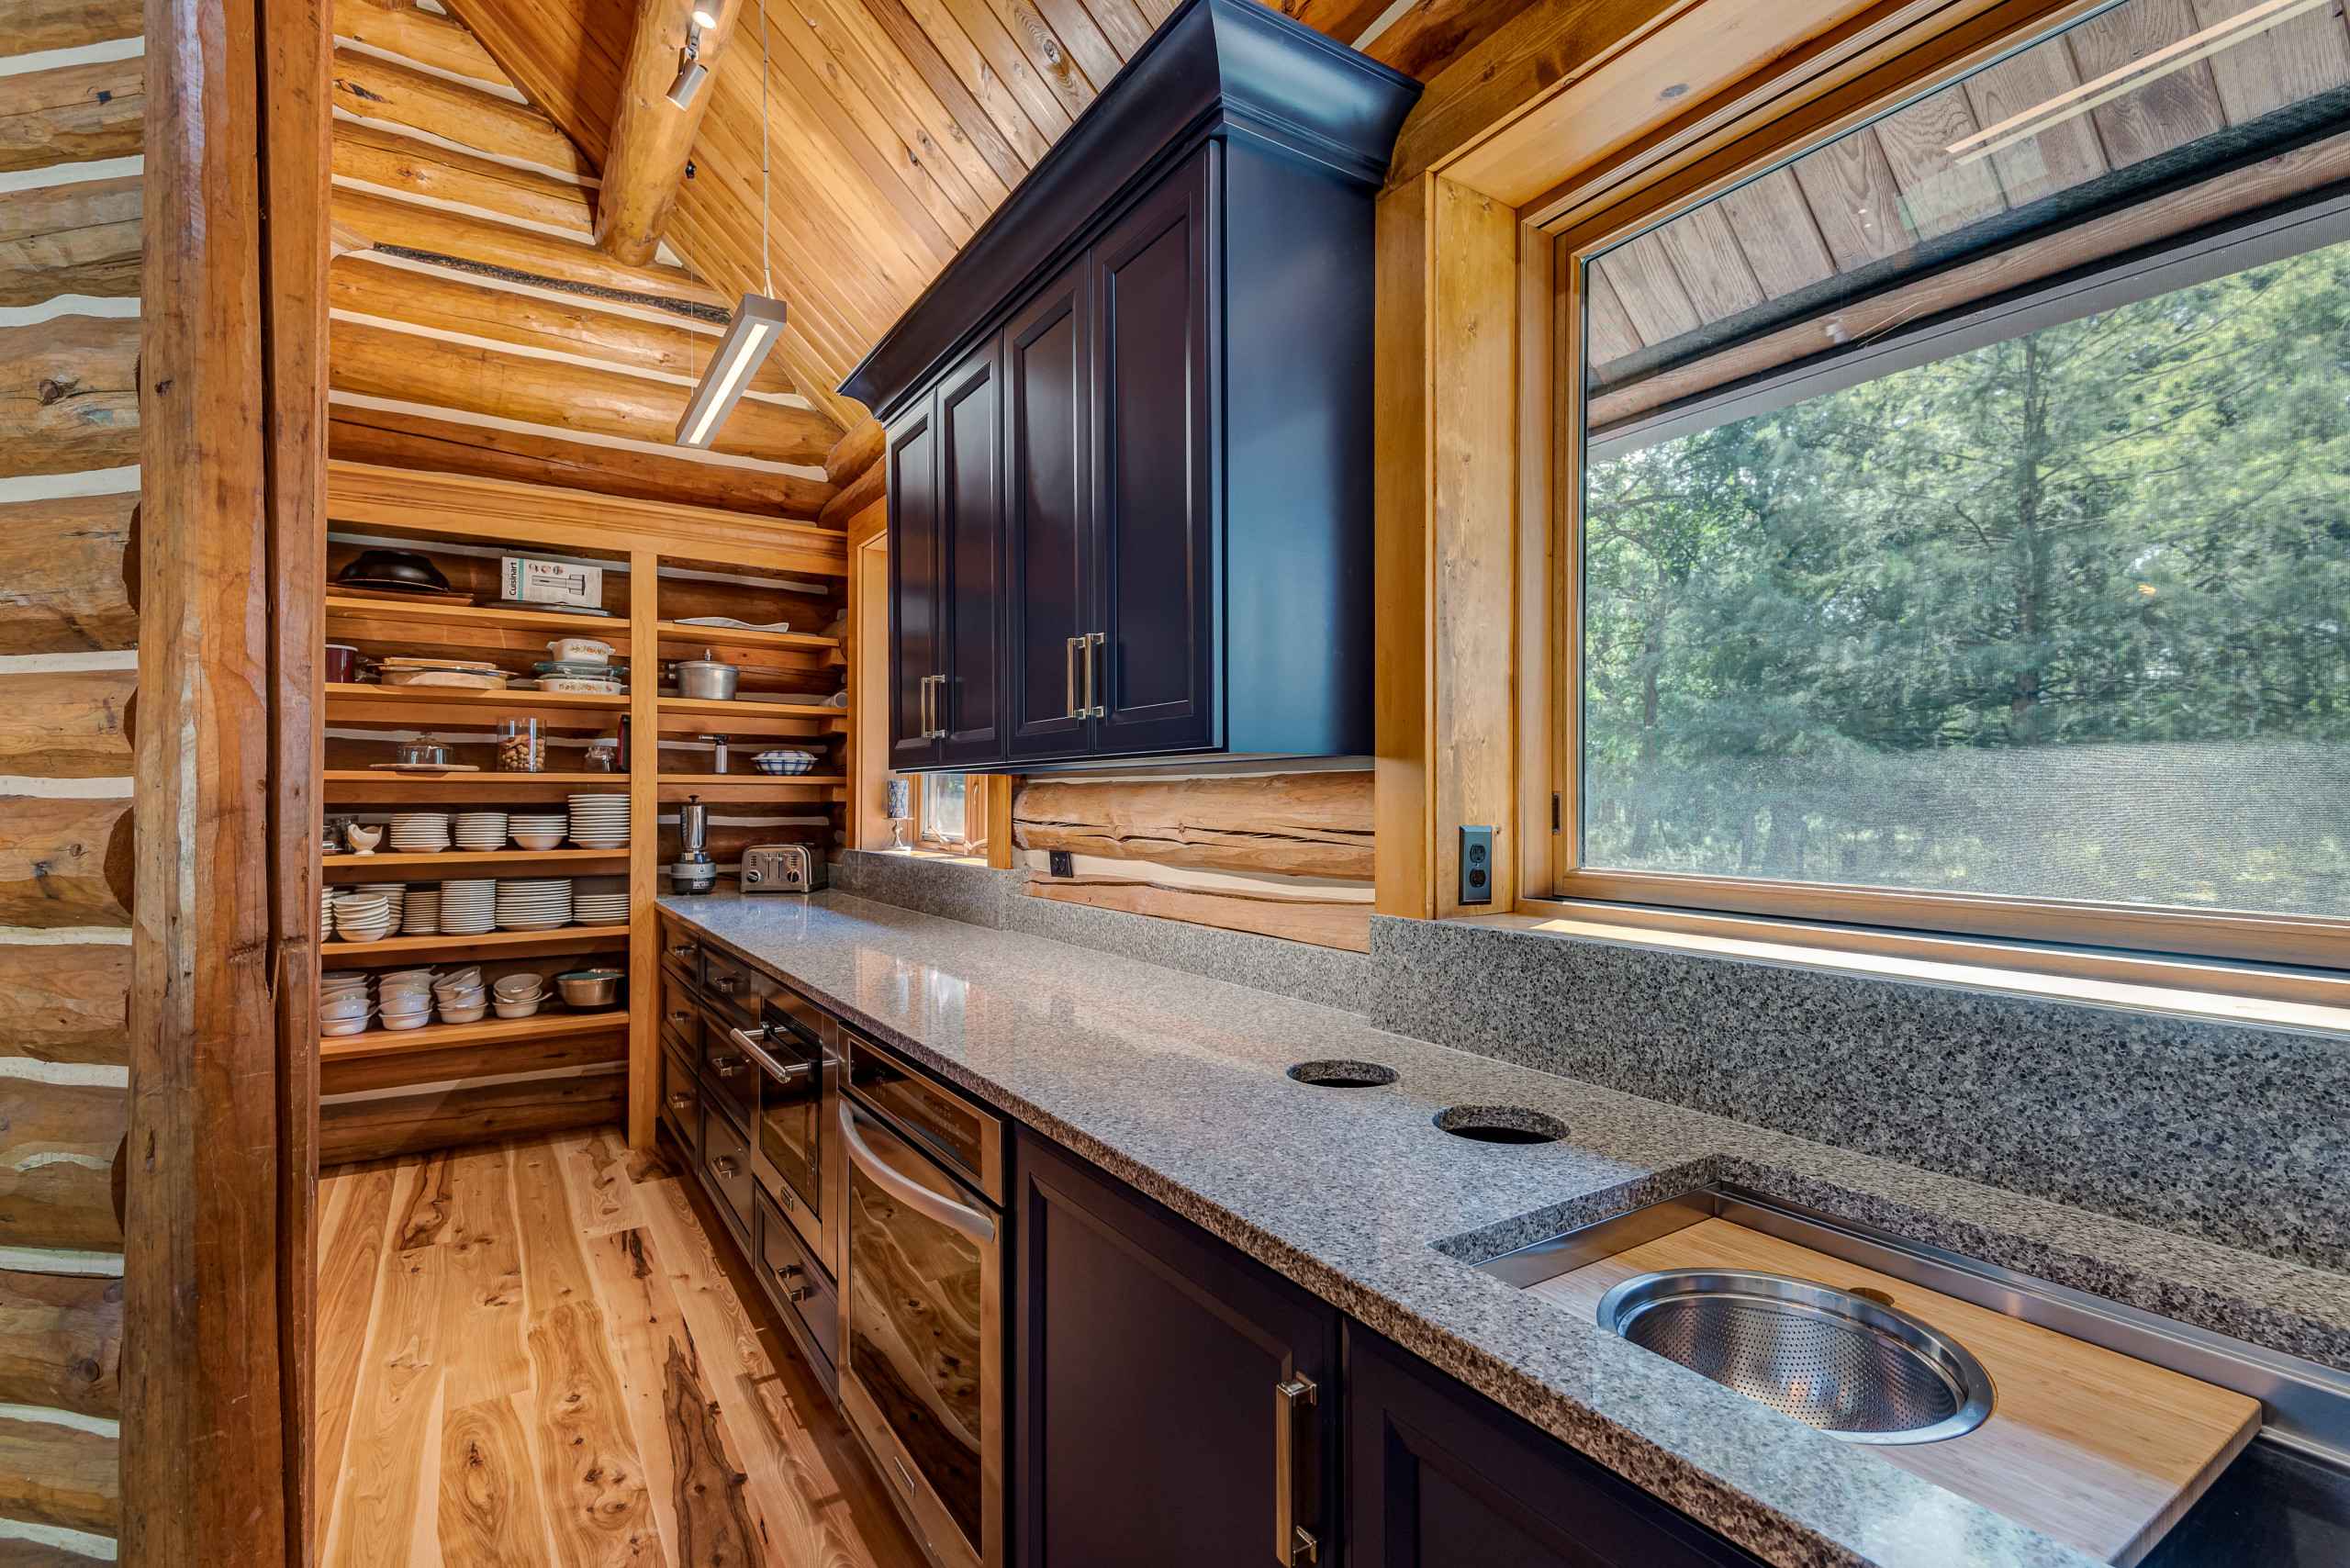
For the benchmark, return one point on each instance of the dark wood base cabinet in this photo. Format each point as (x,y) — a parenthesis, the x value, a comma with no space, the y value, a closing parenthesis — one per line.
(1439,1477)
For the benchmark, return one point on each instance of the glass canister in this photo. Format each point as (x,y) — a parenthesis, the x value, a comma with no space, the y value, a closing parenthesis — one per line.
(522,745)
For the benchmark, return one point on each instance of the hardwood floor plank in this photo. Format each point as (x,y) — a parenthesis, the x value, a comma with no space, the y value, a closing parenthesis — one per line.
(355,1211)
(489,1512)
(487,1360)
(713,1526)
(385,1462)
(643,1319)
(426,1217)
(596,1176)
(424,1525)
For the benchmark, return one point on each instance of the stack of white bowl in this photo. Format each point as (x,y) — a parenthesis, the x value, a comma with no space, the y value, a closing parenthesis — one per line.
(421,915)
(599,900)
(404,999)
(344,1005)
(519,995)
(600,822)
(362,917)
(394,894)
(534,903)
(481,830)
(469,908)
(420,833)
(537,830)
(461,996)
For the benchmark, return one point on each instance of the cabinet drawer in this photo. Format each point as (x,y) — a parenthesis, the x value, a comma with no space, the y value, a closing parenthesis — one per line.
(681,1100)
(726,1172)
(729,1073)
(729,985)
(680,954)
(678,1013)
(797,1285)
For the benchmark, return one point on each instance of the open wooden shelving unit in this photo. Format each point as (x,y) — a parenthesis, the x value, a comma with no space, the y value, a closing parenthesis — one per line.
(662,562)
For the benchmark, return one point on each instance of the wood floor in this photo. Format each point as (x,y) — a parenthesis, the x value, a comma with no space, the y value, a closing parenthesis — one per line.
(529,1356)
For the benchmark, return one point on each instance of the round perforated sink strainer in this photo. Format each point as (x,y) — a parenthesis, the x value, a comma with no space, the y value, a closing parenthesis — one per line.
(1867,1372)
(1500,1124)
(1344,1074)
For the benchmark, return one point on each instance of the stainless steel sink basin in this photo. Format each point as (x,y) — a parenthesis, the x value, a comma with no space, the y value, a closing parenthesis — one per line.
(1866,1373)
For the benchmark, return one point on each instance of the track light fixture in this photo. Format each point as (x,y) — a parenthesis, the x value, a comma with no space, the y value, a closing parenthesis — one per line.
(691,70)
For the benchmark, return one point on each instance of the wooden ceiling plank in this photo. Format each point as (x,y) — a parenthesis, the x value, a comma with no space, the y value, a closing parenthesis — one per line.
(1937,195)
(379,90)
(74,114)
(897,100)
(1434,33)
(411,441)
(1029,137)
(1611,334)
(2167,112)
(1642,276)
(446,302)
(1157,11)
(2298,59)
(2059,157)
(1096,52)
(1123,23)
(1001,55)
(651,135)
(1054,62)
(1001,150)
(1849,188)
(423,37)
(1775,230)
(565,55)
(417,169)
(1712,267)
(380,362)
(387,221)
(872,56)
(825,308)
(1342,19)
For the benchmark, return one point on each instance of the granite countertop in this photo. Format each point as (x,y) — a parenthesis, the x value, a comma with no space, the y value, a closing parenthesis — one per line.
(1177,1084)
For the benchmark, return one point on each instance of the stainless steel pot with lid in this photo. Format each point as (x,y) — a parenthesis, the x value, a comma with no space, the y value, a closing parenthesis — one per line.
(708,678)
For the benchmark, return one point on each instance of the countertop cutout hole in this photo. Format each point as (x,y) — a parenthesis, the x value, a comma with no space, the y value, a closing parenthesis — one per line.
(1500,1124)
(1344,1074)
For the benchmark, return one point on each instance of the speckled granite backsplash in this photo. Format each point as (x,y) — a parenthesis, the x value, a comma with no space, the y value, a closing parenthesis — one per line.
(2237,1135)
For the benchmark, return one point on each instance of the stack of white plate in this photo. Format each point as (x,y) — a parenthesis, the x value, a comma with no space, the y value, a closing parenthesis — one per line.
(537,830)
(481,830)
(420,833)
(326,912)
(394,896)
(362,917)
(469,908)
(599,909)
(534,903)
(600,822)
(422,911)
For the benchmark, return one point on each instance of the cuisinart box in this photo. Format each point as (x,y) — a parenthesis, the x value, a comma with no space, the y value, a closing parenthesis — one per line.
(551,582)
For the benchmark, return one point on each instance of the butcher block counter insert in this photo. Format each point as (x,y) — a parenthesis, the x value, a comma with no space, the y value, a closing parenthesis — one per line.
(1181,1088)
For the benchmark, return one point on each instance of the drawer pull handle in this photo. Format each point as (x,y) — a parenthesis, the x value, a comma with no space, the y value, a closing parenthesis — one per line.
(1293,1542)
(729,1066)
(680,1016)
(728,984)
(724,1165)
(684,950)
(681,1102)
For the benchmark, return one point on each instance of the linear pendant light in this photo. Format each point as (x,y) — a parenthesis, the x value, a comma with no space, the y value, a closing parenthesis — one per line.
(758,320)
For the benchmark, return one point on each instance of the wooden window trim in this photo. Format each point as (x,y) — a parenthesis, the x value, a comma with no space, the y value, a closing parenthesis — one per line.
(2045,946)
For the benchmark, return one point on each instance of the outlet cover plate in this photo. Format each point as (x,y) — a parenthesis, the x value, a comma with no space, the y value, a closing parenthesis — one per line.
(1476,865)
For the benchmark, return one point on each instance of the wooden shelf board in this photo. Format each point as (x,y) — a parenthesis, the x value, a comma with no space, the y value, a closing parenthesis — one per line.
(362,786)
(750,786)
(739,709)
(338,954)
(423,614)
(454,859)
(719,637)
(346,692)
(381,1042)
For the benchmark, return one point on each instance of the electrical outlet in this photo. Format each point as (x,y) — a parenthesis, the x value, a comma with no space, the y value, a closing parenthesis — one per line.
(1476,865)
(1063,865)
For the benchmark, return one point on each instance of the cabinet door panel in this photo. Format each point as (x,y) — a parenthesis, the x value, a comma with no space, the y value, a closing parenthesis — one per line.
(1147,1360)
(1152,288)
(1047,511)
(968,705)
(917,633)
(1439,1476)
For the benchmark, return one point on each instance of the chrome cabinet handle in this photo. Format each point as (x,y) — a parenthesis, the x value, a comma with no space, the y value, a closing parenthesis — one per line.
(684,950)
(923,702)
(790,1290)
(1293,1542)
(1074,712)
(757,1047)
(681,1102)
(727,984)
(933,711)
(724,1165)
(914,1195)
(729,1066)
(940,706)
(681,1017)
(1096,643)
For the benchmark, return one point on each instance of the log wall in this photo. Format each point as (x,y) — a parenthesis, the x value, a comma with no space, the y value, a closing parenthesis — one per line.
(69,252)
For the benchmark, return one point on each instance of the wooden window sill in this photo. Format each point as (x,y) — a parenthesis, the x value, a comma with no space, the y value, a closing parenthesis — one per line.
(2242,993)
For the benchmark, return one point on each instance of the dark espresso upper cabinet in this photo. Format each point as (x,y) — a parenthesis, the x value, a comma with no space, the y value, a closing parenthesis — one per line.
(1175,313)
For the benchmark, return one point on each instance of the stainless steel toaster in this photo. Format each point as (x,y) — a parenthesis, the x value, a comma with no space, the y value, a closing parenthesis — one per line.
(782,869)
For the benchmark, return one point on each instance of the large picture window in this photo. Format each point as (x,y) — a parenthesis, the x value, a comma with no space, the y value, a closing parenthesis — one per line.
(1964,505)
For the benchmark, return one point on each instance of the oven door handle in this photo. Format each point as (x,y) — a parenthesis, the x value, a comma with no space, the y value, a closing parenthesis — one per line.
(914,1195)
(750,1043)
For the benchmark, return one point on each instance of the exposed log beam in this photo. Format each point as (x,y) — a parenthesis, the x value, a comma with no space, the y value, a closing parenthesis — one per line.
(60,1343)
(1325,924)
(58,1143)
(651,136)
(64,862)
(566,58)
(411,441)
(73,113)
(854,453)
(449,304)
(66,1002)
(862,492)
(62,582)
(29,26)
(382,363)
(1299,824)
(376,89)
(77,238)
(66,724)
(69,395)
(419,169)
(52,1474)
(501,250)
(422,36)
